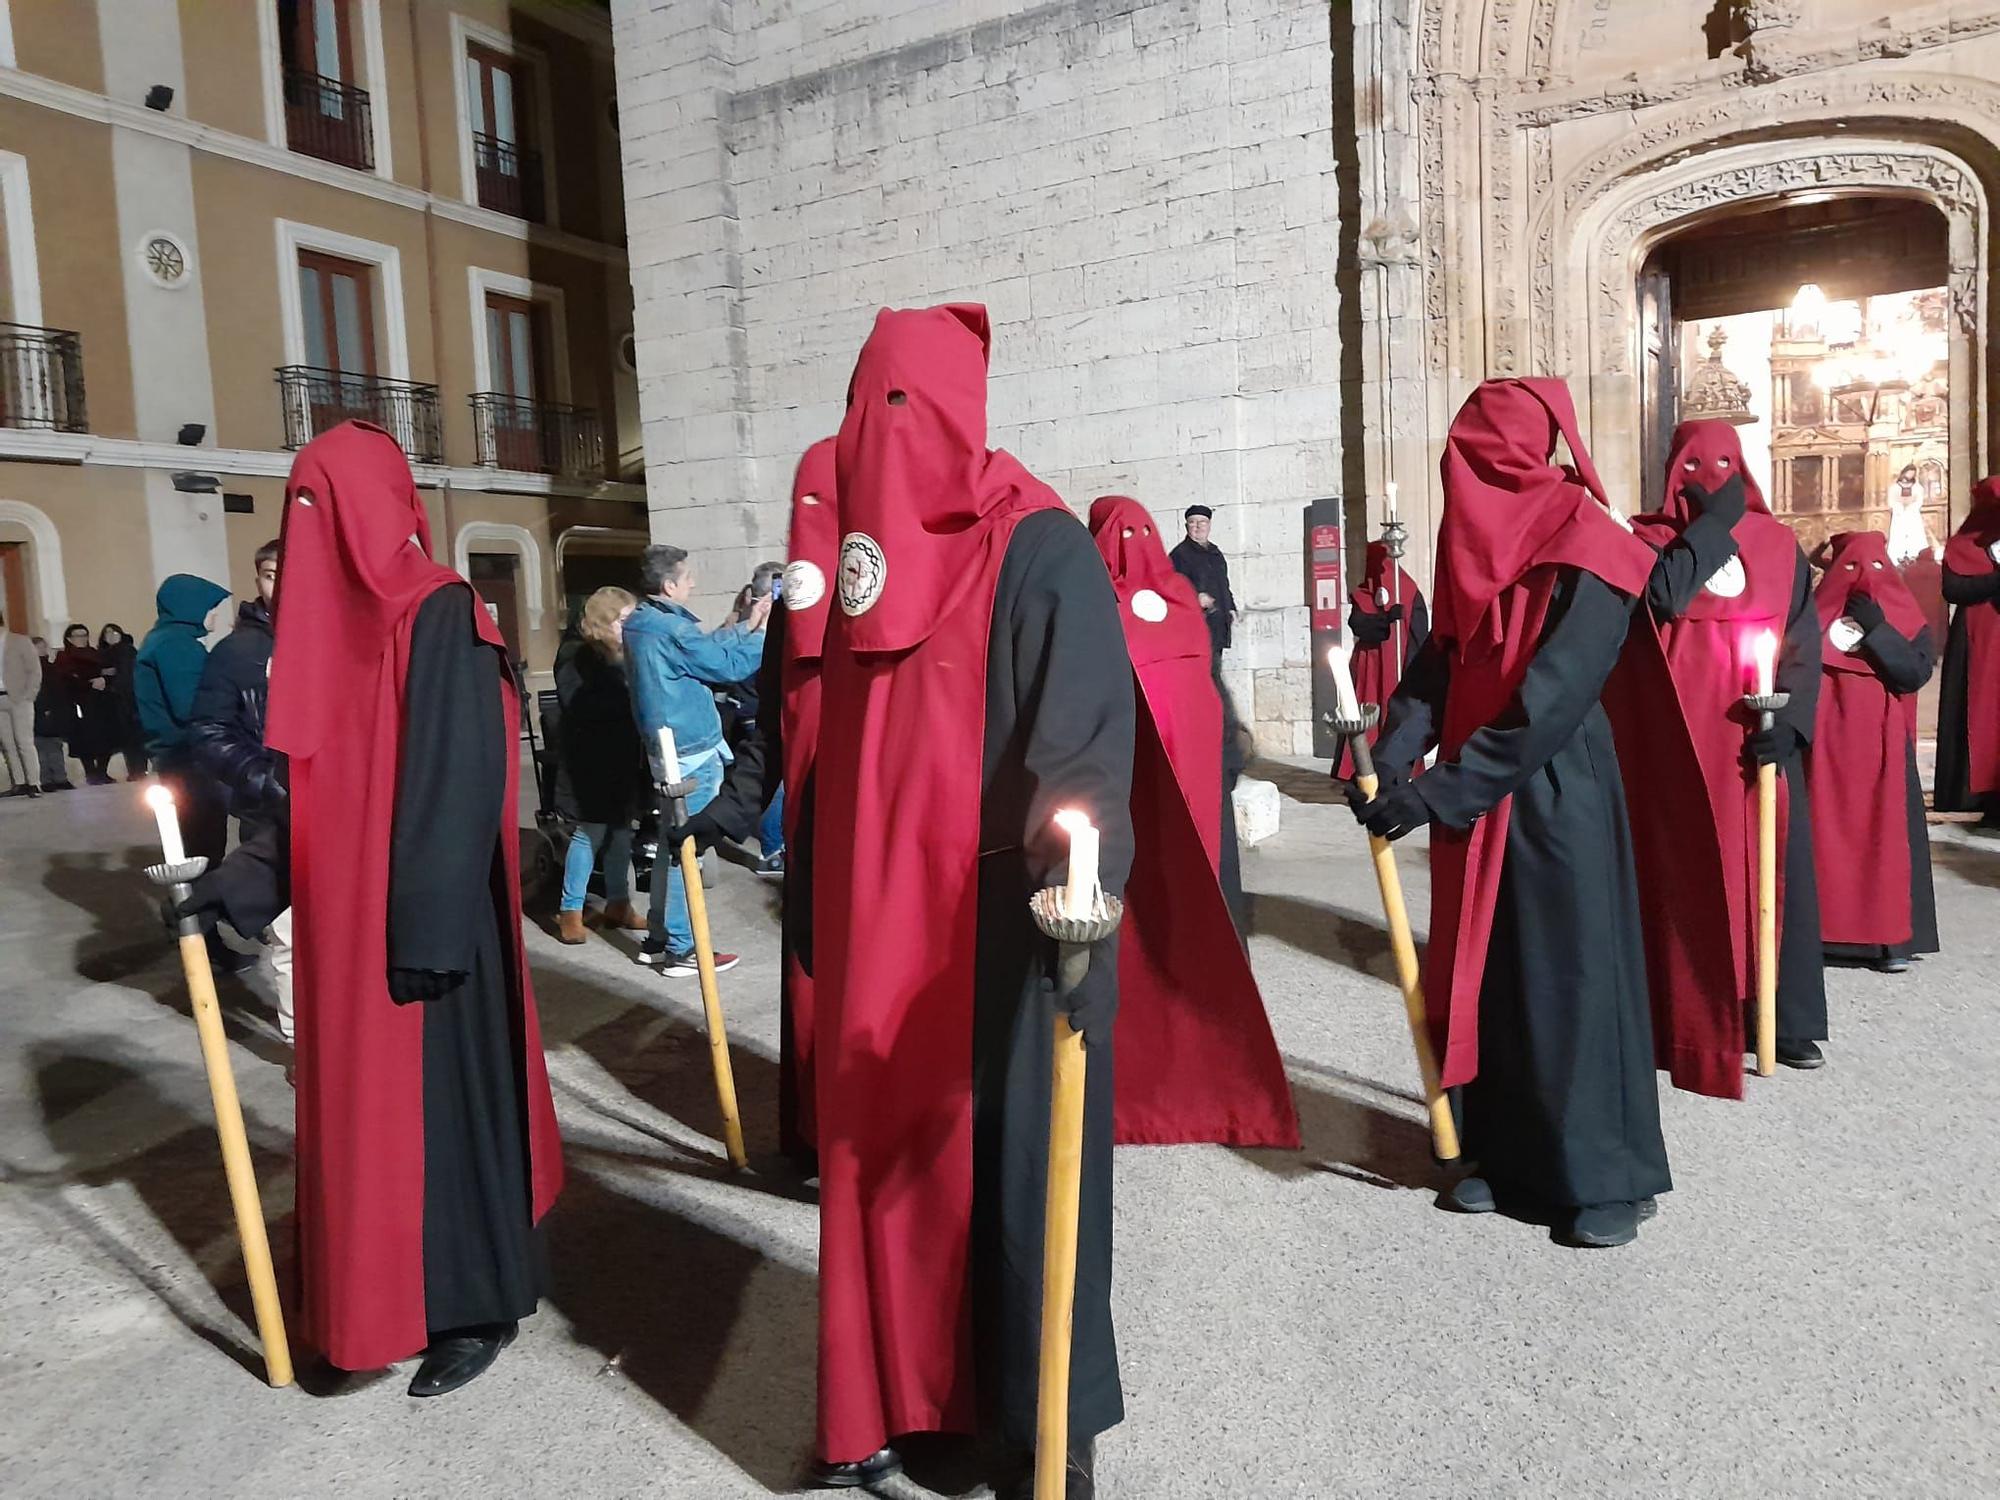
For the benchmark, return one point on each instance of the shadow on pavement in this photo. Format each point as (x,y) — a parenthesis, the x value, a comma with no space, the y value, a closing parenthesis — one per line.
(1329,932)
(1980,866)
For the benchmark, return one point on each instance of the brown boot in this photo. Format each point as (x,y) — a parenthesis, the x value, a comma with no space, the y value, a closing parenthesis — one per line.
(569,928)
(620,916)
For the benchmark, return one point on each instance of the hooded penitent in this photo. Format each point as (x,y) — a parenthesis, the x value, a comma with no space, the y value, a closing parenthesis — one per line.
(357,567)
(1969,713)
(1861,752)
(1512,517)
(1378,665)
(1709,650)
(1185,987)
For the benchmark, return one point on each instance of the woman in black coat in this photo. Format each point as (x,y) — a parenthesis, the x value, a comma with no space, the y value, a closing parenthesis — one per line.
(601,771)
(94,736)
(121,656)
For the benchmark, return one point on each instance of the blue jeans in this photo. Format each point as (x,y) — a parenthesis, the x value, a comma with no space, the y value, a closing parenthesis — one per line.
(668,919)
(616,842)
(771,831)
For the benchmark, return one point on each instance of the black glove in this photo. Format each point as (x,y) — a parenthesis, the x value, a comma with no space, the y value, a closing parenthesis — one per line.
(406,985)
(1395,810)
(1393,613)
(1092,1007)
(1726,504)
(700,827)
(1864,611)
(1773,746)
(203,907)
(1368,630)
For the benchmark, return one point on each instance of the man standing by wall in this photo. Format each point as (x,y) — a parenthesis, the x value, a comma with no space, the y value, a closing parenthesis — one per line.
(20,681)
(674,666)
(1202,564)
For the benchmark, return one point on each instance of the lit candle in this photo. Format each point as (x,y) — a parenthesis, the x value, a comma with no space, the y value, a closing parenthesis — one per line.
(670,760)
(1392,499)
(1080,894)
(1765,648)
(1346,706)
(162,803)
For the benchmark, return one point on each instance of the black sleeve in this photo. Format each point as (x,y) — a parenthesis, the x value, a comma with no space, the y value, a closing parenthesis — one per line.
(1903,663)
(451,782)
(1688,562)
(225,733)
(1419,622)
(1579,647)
(1799,657)
(1073,695)
(1410,727)
(752,779)
(1225,600)
(1971,588)
(254,884)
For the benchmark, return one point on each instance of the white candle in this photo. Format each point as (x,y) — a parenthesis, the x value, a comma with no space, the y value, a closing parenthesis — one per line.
(1346,706)
(1765,648)
(1392,499)
(670,760)
(1080,894)
(162,803)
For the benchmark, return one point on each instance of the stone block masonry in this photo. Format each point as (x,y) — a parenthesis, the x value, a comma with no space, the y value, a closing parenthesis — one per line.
(1141,191)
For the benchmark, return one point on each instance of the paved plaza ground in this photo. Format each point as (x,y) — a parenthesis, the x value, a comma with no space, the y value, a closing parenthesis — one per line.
(1814,1312)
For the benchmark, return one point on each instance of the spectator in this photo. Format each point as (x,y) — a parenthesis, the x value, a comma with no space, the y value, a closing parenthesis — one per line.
(93,735)
(1202,564)
(53,716)
(121,663)
(227,749)
(742,697)
(20,683)
(674,665)
(168,676)
(600,767)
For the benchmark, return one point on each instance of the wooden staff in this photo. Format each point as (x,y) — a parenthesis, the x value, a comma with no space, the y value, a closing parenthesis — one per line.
(1765,705)
(176,876)
(1444,1129)
(711,995)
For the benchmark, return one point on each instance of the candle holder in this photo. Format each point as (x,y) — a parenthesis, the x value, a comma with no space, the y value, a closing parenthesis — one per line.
(1073,935)
(1395,537)
(1766,706)
(1355,733)
(179,879)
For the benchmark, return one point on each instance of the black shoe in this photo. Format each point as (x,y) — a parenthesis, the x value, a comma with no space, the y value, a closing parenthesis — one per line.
(60,786)
(883,1463)
(1603,1226)
(653,953)
(772,866)
(1649,1208)
(458,1359)
(1891,966)
(1079,1477)
(1469,1195)
(34,791)
(1802,1055)
(15,791)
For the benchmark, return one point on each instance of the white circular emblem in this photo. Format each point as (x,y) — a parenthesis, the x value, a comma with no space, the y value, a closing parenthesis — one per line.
(805,584)
(1845,635)
(1993,551)
(863,570)
(1149,606)
(1729,580)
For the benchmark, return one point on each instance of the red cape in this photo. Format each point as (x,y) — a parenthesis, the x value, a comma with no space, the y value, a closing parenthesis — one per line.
(815,539)
(1378,669)
(357,567)
(1968,555)
(1858,768)
(1511,517)
(1196,1057)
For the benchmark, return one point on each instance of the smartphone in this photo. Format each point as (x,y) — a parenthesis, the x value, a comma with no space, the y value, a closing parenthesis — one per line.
(777,587)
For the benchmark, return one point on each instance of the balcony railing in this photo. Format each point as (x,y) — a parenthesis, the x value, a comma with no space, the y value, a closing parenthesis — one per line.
(328,119)
(317,400)
(538,436)
(510,177)
(41,379)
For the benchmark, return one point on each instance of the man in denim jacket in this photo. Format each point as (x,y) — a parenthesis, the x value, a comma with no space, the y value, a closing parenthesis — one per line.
(674,666)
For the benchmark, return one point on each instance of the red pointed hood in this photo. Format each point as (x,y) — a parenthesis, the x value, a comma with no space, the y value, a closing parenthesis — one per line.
(1707,454)
(1967,553)
(1857,562)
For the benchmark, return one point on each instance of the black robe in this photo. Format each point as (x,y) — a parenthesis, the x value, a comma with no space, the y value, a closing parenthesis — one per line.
(1684,566)
(1904,665)
(1951,792)
(1565,1110)
(483,1260)
(1203,565)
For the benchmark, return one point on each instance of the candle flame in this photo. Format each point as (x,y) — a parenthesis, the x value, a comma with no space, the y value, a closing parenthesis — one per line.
(1072,819)
(158,797)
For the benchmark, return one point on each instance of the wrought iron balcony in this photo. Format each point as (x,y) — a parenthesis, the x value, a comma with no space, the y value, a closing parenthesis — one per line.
(41,379)
(328,119)
(510,177)
(537,436)
(317,400)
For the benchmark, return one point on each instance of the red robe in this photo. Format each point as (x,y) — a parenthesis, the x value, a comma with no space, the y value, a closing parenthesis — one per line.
(1196,1058)
(1969,554)
(1378,669)
(1860,757)
(357,567)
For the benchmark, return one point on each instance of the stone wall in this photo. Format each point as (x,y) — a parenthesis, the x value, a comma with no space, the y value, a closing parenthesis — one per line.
(1141,193)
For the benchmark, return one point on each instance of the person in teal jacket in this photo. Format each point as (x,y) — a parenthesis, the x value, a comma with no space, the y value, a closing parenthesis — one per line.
(166,675)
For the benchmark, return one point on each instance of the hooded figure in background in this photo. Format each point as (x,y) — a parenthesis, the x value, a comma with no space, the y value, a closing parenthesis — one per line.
(1728,572)
(1968,753)
(1388,624)
(1874,851)
(165,677)
(427,1146)
(1537,972)
(975,685)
